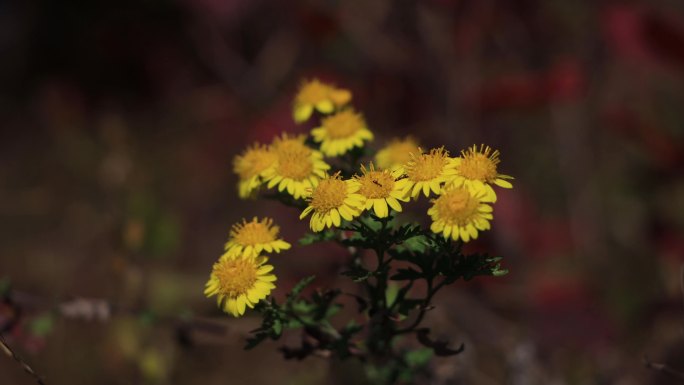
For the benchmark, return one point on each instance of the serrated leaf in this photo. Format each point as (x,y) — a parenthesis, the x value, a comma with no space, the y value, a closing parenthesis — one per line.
(311,238)
(357,273)
(297,289)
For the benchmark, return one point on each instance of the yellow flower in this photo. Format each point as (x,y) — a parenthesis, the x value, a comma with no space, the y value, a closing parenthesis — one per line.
(331,201)
(250,165)
(341,132)
(381,189)
(240,282)
(459,212)
(323,97)
(395,154)
(253,237)
(478,168)
(298,167)
(427,171)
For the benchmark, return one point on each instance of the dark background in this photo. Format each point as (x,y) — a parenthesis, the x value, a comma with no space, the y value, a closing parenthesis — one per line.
(119,122)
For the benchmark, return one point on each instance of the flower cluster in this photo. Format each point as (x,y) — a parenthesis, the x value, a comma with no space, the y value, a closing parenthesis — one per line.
(241,278)
(460,188)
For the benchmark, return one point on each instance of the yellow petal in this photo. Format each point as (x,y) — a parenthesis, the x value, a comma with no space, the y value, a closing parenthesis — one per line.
(302,112)
(394,204)
(503,183)
(325,106)
(335,215)
(380,208)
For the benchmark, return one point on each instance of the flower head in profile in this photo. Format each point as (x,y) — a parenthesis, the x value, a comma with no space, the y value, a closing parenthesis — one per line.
(427,171)
(317,95)
(381,189)
(253,237)
(478,167)
(298,167)
(341,132)
(460,212)
(332,200)
(240,282)
(250,166)
(396,153)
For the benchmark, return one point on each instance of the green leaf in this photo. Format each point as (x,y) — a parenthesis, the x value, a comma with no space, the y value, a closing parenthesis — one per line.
(417,244)
(357,273)
(311,238)
(297,289)
(391,292)
(277,329)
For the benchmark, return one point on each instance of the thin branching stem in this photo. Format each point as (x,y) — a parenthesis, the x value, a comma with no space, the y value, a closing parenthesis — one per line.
(10,353)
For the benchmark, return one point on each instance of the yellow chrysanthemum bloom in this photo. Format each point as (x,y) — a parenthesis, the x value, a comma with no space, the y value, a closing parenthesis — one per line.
(240,282)
(250,165)
(477,167)
(253,237)
(323,97)
(298,168)
(427,171)
(341,132)
(459,212)
(331,201)
(381,189)
(397,153)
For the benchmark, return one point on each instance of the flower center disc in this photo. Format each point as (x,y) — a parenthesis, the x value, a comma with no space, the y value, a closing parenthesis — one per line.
(476,165)
(457,206)
(236,276)
(329,194)
(427,166)
(294,159)
(343,124)
(252,233)
(376,184)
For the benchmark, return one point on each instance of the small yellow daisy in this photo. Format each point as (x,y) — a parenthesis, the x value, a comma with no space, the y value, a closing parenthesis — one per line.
(323,97)
(459,212)
(253,237)
(381,189)
(341,132)
(250,165)
(331,201)
(298,167)
(396,153)
(427,171)
(478,167)
(240,282)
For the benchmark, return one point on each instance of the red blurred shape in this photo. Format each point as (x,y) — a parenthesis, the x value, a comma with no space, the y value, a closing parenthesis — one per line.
(644,36)
(665,151)
(564,81)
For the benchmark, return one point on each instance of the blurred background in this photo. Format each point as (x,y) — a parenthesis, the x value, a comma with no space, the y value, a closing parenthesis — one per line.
(120,121)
